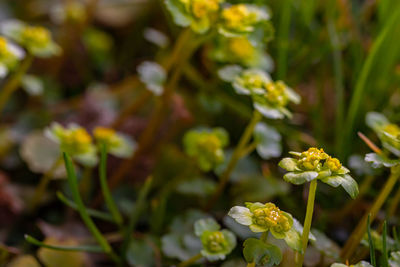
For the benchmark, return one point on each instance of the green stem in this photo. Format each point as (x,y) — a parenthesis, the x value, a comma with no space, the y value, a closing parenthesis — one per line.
(236,156)
(44,181)
(359,231)
(283,38)
(73,183)
(307,221)
(384,246)
(104,187)
(191,260)
(371,242)
(14,81)
(92,249)
(93,213)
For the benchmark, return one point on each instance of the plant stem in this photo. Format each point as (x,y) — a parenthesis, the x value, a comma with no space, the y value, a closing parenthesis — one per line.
(371,242)
(73,183)
(253,264)
(307,221)
(14,81)
(384,246)
(104,187)
(359,231)
(191,260)
(236,156)
(44,181)
(92,249)
(93,213)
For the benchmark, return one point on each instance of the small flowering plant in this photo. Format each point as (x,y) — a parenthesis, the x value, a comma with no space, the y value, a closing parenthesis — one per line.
(269,98)
(242,19)
(206,146)
(117,144)
(200,15)
(35,39)
(316,164)
(242,51)
(75,141)
(216,243)
(10,55)
(262,218)
(389,135)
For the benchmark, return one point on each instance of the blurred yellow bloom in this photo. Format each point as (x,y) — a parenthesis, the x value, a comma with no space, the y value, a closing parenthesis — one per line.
(241,47)
(202,8)
(116,143)
(36,36)
(235,15)
(333,164)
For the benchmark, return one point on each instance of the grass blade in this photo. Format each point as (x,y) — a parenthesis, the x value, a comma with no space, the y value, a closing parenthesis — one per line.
(371,242)
(92,249)
(385,260)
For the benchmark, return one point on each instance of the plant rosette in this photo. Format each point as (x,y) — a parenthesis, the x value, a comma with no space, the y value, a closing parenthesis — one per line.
(216,243)
(10,55)
(117,144)
(267,217)
(206,146)
(244,19)
(269,98)
(200,15)
(316,164)
(75,141)
(360,264)
(37,40)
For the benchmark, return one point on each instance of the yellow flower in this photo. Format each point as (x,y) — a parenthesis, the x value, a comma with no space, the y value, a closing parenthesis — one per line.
(36,36)
(333,164)
(75,140)
(392,129)
(202,8)
(271,216)
(312,157)
(3,48)
(241,47)
(107,136)
(235,15)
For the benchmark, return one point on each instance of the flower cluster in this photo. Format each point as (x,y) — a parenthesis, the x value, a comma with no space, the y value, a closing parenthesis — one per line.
(10,54)
(216,243)
(316,164)
(37,40)
(269,98)
(206,146)
(117,144)
(261,217)
(75,141)
(200,15)
(242,51)
(388,133)
(78,143)
(242,19)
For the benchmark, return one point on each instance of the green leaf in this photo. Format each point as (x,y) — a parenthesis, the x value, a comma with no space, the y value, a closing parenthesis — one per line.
(350,185)
(268,141)
(203,225)
(140,254)
(293,239)
(376,120)
(380,160)
(261,253)
(300,177)
(325,245)
(176,8)
(394,260)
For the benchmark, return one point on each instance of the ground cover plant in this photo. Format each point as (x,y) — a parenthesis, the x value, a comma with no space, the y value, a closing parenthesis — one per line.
(199,133)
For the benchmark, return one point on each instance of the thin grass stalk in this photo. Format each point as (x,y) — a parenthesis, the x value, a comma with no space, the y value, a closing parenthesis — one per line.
(371,242)
(91,249)
(385,259)
(283,39)
(191,261)
(104,187)
(73,183)
(361,84)
(359,231)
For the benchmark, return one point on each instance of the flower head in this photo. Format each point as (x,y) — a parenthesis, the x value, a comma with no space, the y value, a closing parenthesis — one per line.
(75,141)
(242,19)
(216,243)
(269,98)
(206,146)
(316,164)
(10,54)
(261,217)
(37,40)
(117,144)
(198,14)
